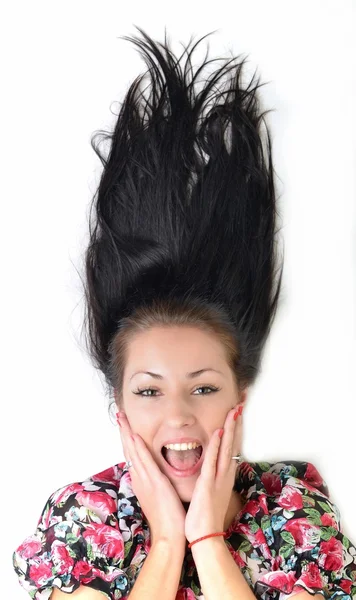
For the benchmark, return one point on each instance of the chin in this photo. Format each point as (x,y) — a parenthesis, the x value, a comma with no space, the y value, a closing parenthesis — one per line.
(185,496)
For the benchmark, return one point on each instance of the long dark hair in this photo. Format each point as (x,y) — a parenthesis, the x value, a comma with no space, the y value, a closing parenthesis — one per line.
(184,226)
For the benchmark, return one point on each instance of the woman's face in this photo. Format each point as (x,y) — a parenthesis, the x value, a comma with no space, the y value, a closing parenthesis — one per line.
(179,405)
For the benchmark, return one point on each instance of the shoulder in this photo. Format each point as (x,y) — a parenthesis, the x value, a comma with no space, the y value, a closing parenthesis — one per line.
(92,500)
(291,533)
(277,475)
(80,538)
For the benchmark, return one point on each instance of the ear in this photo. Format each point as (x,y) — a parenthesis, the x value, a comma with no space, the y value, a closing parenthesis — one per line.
(116,396)
(243,396)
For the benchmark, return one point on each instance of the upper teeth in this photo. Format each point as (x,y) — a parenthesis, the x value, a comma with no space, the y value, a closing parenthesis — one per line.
(189,446)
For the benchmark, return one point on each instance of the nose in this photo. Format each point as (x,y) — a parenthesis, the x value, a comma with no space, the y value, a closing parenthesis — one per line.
(179,413)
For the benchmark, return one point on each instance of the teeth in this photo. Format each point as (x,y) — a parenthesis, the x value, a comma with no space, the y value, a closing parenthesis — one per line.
(189,446)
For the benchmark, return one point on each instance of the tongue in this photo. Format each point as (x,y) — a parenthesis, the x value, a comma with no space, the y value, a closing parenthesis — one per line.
(183,459)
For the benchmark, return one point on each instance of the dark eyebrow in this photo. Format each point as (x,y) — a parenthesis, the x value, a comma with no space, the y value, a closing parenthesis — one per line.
(189,375)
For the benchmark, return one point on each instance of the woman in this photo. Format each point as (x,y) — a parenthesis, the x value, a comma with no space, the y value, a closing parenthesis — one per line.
(182,290)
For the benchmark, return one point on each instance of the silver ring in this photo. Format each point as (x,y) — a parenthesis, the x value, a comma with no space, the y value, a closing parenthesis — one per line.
(239,459)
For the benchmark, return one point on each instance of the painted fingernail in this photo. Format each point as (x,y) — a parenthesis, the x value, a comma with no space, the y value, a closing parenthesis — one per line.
(238,412)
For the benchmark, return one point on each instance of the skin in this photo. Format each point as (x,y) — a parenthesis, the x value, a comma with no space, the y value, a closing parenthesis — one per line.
(178,406)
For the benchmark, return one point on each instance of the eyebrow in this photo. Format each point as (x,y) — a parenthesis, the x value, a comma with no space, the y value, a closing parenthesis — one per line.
(188,375)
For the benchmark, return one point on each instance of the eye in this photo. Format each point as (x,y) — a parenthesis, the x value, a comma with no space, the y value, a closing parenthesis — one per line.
(140,391)
(207,387)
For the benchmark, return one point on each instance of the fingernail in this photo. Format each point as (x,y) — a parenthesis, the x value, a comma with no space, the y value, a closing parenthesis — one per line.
(238,412)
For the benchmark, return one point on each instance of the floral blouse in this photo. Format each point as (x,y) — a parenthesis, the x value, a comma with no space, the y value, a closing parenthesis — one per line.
(287,537)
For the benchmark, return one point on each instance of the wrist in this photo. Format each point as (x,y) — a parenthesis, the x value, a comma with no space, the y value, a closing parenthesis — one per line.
(214,536)
(169,543)
(216,541)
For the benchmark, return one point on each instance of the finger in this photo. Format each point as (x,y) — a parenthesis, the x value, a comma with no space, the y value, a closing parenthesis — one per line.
(137,463)
(230,441)
(129,444)
(147,462)
(209,466)
(122,435)
(237,441)
(141,457)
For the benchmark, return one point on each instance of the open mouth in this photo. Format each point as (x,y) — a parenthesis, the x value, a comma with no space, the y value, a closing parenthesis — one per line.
(182,460)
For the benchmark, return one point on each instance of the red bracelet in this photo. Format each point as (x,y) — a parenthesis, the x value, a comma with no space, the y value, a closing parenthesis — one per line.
(206,536)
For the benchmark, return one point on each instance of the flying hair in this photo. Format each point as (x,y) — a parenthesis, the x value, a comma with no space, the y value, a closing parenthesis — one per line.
(183,222)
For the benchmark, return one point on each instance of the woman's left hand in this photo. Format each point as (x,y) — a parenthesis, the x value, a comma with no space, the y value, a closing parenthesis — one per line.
(213,488)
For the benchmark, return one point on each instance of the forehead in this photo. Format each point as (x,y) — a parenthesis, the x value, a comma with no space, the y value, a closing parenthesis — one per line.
(178,346)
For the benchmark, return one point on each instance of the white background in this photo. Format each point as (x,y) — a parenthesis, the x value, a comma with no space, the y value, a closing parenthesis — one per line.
(63,68)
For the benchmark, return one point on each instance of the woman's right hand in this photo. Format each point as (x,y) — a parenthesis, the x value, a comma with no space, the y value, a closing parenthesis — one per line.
(158,499)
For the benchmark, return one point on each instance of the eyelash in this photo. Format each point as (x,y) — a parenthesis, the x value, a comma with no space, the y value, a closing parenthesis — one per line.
(140,390)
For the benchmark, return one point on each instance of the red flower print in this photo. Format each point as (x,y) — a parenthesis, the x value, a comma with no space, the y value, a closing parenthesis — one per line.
(29,547)
(245,468)
(346,584)
(328,520)
(88,544)
(245,529)
(305,533)
(281,580)
(98,502)
(290,498)
(252,507)
(262,500)
(81,568)
(311,576)
(331,555)
(109,475)
(108,576)
(40,573)
(261,543)
(272,483)
(276,563)
(49,519)
(105,540)
(237,558)
(61,557)
(312,476)
(63,493)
